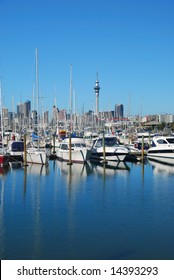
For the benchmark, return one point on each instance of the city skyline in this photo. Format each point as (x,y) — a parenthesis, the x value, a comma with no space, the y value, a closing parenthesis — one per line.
(128,43)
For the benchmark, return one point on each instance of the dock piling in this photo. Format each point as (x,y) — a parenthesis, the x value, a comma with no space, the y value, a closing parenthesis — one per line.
(25,151)
(142,151)
(104,151)
(70,155)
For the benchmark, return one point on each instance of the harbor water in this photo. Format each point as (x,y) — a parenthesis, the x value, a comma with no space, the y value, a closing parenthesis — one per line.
(119,211)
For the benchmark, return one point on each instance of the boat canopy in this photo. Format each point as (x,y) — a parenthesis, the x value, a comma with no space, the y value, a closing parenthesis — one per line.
(17,146)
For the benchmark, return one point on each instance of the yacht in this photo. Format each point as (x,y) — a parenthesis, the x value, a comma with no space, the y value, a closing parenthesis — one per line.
(78,152)
(36,155)
(162,149)
(108,148)
(16,150)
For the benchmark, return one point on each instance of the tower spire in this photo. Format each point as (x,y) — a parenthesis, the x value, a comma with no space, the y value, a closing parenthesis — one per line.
(97,89)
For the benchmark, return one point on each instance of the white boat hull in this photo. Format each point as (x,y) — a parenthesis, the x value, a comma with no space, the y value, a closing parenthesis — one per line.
(111,154)
(78,156)
(164,158)
(36,156)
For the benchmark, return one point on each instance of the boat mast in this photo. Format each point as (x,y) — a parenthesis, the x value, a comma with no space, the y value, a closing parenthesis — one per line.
(71,99)
(14,127)
(2,130)
(37,87)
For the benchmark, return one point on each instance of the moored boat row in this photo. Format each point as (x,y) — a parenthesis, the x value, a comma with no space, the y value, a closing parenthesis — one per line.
(108,148)
(103,148)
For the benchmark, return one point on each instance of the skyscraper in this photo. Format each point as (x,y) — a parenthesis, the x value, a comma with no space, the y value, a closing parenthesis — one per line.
(119,111)
(27,108)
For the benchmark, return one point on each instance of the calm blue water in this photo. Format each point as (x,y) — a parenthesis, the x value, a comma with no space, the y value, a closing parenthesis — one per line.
(87,212)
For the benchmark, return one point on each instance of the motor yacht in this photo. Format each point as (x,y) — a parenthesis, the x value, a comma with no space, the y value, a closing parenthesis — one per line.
(16,150)
(162,149)
(78,152)
(108,148)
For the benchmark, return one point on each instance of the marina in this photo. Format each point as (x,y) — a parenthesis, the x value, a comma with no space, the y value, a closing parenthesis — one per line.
(117,210)
(87,131)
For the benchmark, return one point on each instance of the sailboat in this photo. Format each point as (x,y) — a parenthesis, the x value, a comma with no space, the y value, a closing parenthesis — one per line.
(4,156)
(72,149)
(36,154)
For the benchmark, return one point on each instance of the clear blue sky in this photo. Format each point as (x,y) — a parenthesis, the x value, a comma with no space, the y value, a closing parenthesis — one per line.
(130,43)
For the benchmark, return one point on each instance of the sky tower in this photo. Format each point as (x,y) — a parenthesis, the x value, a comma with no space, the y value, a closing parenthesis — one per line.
(97,89)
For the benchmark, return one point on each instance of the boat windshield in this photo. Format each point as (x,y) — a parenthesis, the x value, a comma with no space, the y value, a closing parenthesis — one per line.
(17,146)
(109,142)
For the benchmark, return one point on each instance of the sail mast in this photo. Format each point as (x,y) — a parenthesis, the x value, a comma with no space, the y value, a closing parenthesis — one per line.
(37,87)
(2,130)
(71,98)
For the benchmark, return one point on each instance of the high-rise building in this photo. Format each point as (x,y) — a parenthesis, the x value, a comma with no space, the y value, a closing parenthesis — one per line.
(46,118)
(20,109)
(27,108)
(119,111)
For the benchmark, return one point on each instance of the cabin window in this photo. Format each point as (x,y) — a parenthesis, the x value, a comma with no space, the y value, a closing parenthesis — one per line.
(170,140)
(83,145)
(78,145)
(161,141)
(64,147)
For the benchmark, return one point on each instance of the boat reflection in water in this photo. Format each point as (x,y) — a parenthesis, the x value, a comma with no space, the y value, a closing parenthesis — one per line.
(4,170)
(161,168)
(75,172)
(37,169)
(78,172)
(110,168)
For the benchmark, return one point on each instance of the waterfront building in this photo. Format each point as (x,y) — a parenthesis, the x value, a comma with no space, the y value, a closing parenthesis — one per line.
(167,118)
(106,115)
